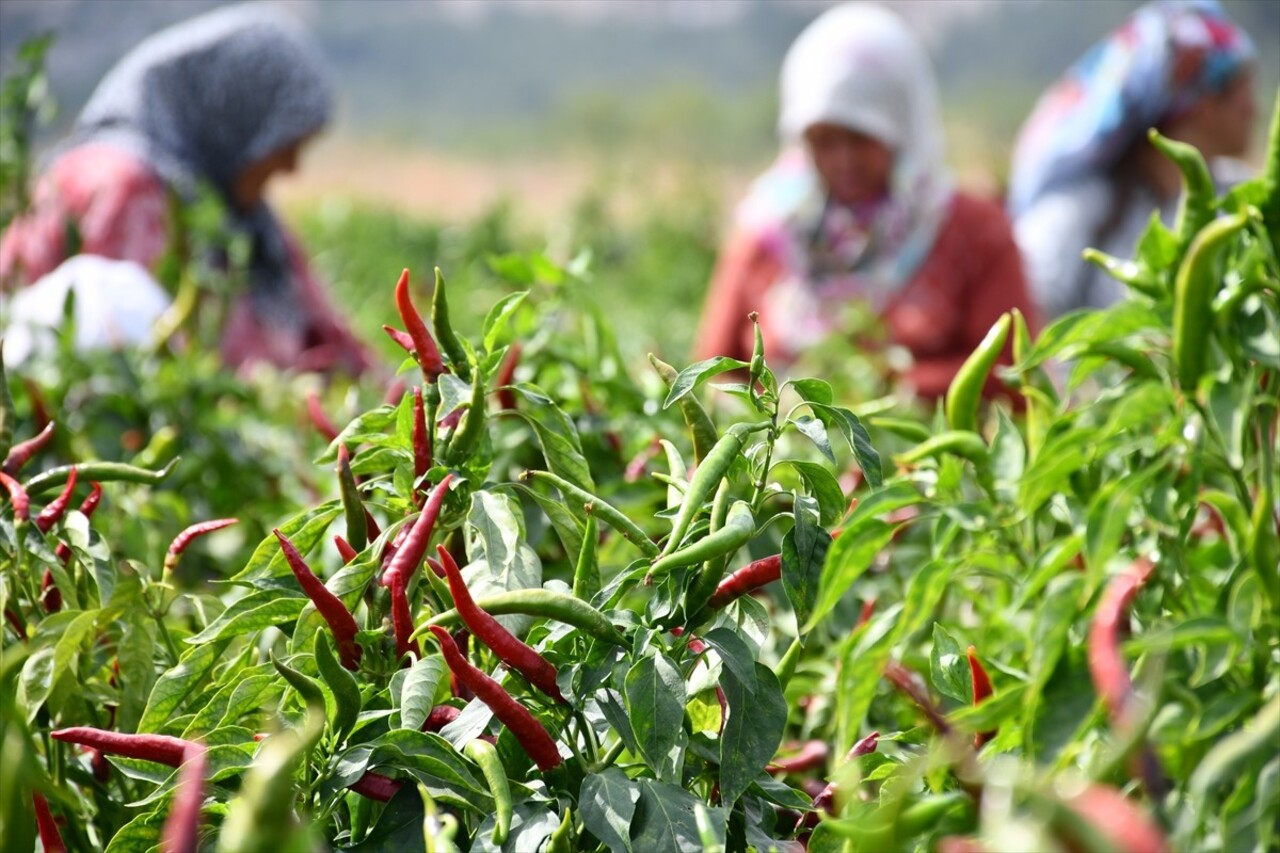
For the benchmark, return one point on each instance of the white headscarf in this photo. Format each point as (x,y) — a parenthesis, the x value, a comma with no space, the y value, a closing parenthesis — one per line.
(859,67)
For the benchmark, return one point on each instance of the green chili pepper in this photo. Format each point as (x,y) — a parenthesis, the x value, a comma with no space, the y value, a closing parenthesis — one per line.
(101,472)
(1264,544)
(561,840)
(1197,281)
(586,573)
(901,427)
(1195,208)
(963,443)
(965,392)
(449,341)
(756,369)
(357,527)
(1037,388)
(466,437)
(696,418)
(308,688)
(485,755)
(1135,275)
(603,510)
(738,529)
(543,603)
(707,477)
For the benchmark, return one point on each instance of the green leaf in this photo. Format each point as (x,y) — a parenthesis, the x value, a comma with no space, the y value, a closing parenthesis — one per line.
(816,431)
(417,696)
(73,638)
(259,609)
(607,804)
(847,559)
(734,652)
(439,764)
(665,819)
(949,667)
(823,485)
(499,318)
(856,435)
(304,530)
(342,685)
(695,374)
(804,553)
(187,678)
(753,731)
(656,698)
(561,446)
(563,521)
(140,834)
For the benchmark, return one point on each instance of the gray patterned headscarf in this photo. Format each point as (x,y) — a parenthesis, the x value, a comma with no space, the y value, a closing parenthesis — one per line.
(203,100)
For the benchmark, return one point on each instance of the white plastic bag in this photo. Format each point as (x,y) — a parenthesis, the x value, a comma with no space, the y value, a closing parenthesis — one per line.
(116,304)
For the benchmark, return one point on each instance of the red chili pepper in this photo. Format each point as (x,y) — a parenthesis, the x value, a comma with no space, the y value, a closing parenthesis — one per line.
(462,639)
(913,686)
(401,338)
(825,801)
(50,837)
(529,733)
(375,786)
(1119,820)
(452,419)
(341,623)
(1106,664)
(696,646)
(16,623)
(344,549)
(981,692)
(506,373)
(87,507)
(508,648)
(182,828)
(744,580)
(864,616)
(421,438)
(18,496)
(402,621)
(101,767)
(39,408)
(440,716)
(185,538)
(812,755)
(24,450)
(50,515)
(50,595)
(319,419)
(424,346)
(410,554)
(161,749)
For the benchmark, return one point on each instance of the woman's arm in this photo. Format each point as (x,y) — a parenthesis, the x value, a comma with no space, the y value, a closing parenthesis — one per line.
(744,271)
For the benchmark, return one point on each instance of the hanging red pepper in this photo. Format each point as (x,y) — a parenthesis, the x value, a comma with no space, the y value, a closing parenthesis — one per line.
(402,621)
(50,837)
(182,828)
(981,692)
(319,419)
(440,716)
(344,549)
(410,554)
(24,450)
(812,755)
(49,516)
(528,732)
(87,507)
(187,536)
(424,346)
(375,786)
(50,595)
(506,373)
(825,801)
(328,605)
(421,438)
(17,496)
(161,749)
(506,646)
(1106,663)
(750,577)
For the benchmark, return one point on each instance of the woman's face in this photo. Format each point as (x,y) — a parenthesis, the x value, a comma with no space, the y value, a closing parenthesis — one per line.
(854,166)
(1231,113)
(251,183)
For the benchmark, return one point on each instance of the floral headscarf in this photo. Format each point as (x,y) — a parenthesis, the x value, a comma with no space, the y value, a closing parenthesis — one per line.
(859,67)
(206,98)
(1164,58)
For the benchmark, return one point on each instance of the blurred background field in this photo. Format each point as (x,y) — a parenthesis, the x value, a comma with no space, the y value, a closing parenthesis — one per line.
(625,128)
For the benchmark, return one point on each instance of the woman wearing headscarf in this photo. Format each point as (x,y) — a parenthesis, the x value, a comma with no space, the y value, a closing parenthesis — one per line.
(224,101)
(1084,173)
(859,206)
